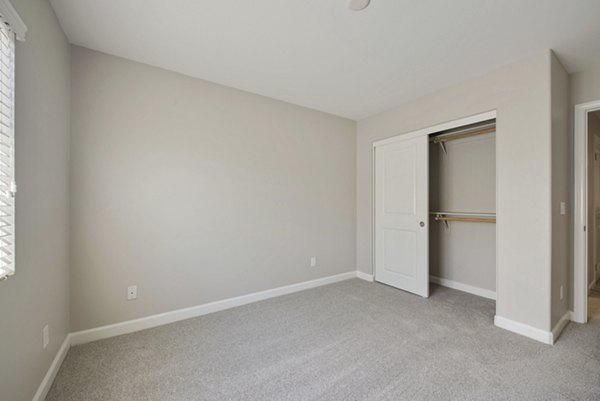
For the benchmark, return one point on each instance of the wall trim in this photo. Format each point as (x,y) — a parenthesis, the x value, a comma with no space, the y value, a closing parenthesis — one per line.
(364,276)
(11,17)
(572,316)
(488,115)
(560,326)
(524,329)
(130,326)
(482,292)
(44,387)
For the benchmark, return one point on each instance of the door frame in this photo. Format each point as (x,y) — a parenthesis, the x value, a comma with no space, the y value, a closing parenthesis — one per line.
(594,187)
(580,213)
(476,118)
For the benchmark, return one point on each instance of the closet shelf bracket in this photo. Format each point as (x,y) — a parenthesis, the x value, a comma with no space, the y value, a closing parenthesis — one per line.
(443,146)
(440,217)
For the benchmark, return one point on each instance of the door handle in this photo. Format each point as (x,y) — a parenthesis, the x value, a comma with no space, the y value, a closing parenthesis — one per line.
(422,224)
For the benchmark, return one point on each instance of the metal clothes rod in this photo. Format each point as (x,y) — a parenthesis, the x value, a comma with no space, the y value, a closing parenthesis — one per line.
(473,217)
(465,219)
(464,214)
(460,135)
(466,133)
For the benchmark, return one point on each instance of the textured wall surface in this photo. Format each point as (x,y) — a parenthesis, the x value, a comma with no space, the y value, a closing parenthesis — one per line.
(197,192)
(38,294)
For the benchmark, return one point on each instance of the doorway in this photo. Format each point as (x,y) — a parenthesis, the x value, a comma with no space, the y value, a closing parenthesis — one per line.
(586,253)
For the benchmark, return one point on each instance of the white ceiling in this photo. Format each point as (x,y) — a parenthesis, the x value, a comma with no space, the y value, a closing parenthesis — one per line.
(320,54)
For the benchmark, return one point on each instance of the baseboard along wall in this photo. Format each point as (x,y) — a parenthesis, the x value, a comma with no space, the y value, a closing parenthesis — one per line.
(99,333)
(364,276)
(130,326)
(482,292)
(42,391)
(546,337)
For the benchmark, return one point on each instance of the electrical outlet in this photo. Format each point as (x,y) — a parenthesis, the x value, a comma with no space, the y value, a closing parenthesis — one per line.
(45,336)
(313,261)
(561,292)
(131,292)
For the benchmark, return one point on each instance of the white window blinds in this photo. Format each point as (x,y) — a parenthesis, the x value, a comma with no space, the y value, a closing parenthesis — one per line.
(7,160)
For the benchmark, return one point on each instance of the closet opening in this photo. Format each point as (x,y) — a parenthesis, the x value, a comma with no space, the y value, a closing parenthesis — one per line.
(434,207)
(462,208)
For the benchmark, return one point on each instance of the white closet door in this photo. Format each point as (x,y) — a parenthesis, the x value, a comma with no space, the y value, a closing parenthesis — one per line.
(401,212)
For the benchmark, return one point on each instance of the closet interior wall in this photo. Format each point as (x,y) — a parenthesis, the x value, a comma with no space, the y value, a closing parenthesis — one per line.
(463,179)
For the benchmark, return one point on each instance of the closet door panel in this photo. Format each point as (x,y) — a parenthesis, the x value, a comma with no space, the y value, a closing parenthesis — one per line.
(400,252)
(401,209)
(400,167)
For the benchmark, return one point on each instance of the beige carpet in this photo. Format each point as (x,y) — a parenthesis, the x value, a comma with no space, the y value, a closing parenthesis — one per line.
(348,341)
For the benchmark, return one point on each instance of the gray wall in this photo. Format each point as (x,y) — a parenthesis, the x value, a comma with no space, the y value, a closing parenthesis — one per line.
(464,180)
(198,192)
(561,162)
(520,92)
(584,87)
(38,293)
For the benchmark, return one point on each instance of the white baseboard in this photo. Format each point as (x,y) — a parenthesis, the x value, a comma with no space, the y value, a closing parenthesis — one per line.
(547,337)
(534,333)
(463,287)
(577,318)
(560,326)
(364,276)
(44,387)
(130,326)
(98,333)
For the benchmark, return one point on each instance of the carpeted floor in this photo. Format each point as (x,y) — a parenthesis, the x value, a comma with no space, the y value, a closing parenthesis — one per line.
(347,341)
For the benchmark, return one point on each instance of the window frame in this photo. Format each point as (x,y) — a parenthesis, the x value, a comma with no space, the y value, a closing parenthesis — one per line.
(12,28)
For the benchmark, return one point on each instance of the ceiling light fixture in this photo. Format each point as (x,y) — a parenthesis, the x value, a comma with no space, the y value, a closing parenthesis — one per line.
(357,5)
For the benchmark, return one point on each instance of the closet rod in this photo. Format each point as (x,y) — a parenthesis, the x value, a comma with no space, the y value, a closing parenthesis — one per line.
(465,219)
(463,134)
(474,214)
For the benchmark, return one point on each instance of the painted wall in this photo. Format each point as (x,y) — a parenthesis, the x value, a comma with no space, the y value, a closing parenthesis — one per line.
(463,180)
(520,92)
(561,189)
(197,192)
(584,86)
(38,294)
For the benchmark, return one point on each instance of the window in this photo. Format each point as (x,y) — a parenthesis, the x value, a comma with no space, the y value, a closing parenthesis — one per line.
(11,28)
(7,159)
